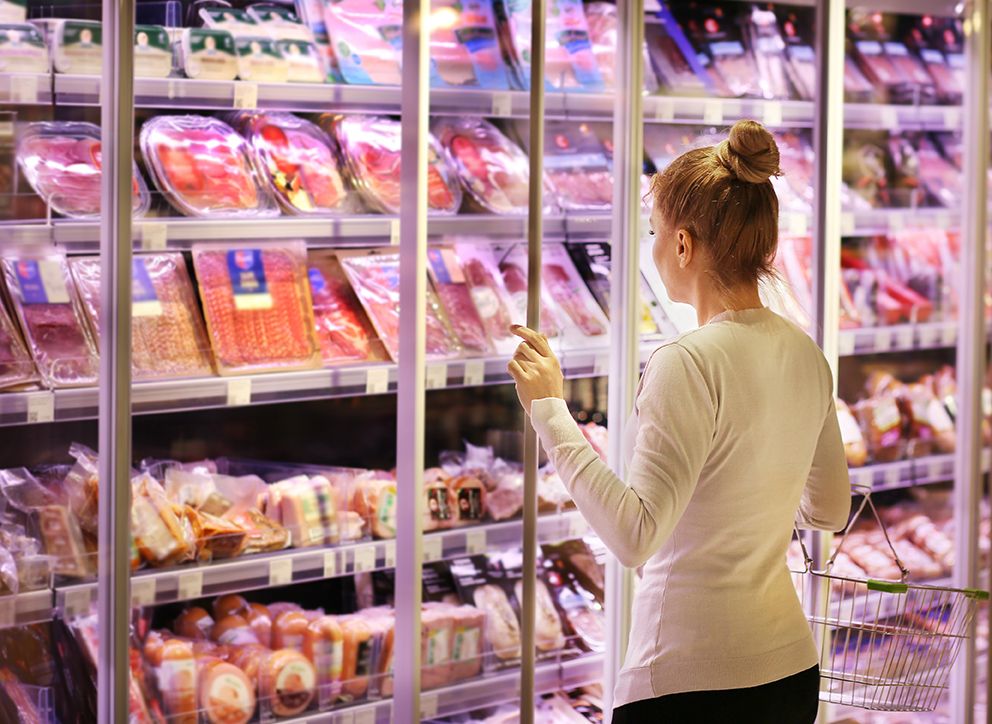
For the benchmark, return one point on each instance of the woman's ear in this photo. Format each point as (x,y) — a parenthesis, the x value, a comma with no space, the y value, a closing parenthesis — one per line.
(684,248)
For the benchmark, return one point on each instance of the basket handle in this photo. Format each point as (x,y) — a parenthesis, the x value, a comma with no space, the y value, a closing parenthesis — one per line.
(866,501)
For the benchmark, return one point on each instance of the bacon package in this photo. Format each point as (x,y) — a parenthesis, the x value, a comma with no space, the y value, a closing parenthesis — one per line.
(492,168)
(570,63)
(16,367)
(465,51)
(371,149)
(257,305)
(601,17)
(62,162)
(365,38)
(204,168)
(51,318)
(344,332)
(375,277)
(299,162)
(167,335)
(456,296)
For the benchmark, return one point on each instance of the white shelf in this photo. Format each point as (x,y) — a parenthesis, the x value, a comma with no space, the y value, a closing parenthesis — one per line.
(25,89)
(905,473)
(897,338)
(25,608)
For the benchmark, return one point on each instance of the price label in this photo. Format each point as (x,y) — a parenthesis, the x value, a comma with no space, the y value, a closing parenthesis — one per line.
(41,407)
(190,585)
(394,232)
(577,526)
(6,130)
(893,476)
(377,381)
(391,554)
(952,118)
(239,392)
(897,221)
(847,224)
(475,542)
(502,104)
(437,376)
(475,372)
(798,224)
(601,365)
(882,339)
(948,335)
(432,548)
(664,110)
(142,592)
(773,113)
(246,95)
(845,344)
(346,716)
(890,118)
(713,112)
(172,90)
(364,558)
(24,88)
(281,572)
(77,601)
(428,706)
(8,611)
(935,470)
(365,716)
(153,236)
(860,476)
(905,336)
(929,336)
(942,220)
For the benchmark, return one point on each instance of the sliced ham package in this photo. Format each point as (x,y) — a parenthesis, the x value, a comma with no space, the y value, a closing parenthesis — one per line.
(299,162)
(681,70)
(768,48)
(51,319)
(456,295)
(16,367)
(62,162)
(465,51)
(364,39)
(576,164)
(371,149)
(485,284)
(257,305)
(204,168)
(601,17)
(485,585)
(167,335)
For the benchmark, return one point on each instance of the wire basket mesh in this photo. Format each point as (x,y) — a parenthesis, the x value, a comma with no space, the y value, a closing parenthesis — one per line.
(884,645)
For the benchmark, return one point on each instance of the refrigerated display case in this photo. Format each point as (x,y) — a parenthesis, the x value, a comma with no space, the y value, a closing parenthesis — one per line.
(324,451)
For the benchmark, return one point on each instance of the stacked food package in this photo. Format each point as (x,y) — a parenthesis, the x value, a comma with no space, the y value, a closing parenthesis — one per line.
(577,167)
(464,49)
(16,367)
(364,40)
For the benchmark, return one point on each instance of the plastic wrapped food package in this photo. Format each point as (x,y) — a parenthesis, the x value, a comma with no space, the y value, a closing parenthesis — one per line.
(303,63)
(259,60)
(512,264)
(576,165)
(22,49)
(375,277)
(344,332)
(465,51)
(456,296)
(238,22)
(601,17)
(206,54)
(77,46)
(492,168)
(371,149)
(51,318)
(299,162)
(485,284)
(565,286)
(680,69)
(16,367)
(152,52)
(204,168)
(280,22)
(768,48)
(62,162)
(364,38)
(257,305)
(167,335)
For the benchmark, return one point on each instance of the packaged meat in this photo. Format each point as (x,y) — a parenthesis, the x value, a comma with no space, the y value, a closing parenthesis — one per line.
(374,499)
(485,284)
(230,604)
(168,339)
(51,319)
(152,52)
(440,503)
(303,63)
(920,564)
(194,623)
(857,88)
(364,38)
(374,276)
(513,268)
(881,423)
(226,695)
(286,683)
(62,162)
(16,367)
(205,54)
(344,331)
(939,176)
(797,25)
(570,63)
(323,645)
(294,504)
(470,499)
(289,630)
(572,296)
(22,49)
(436,638)
(576,166)
(714,31)
(158,531)
(492,169)
(601,17)
(77,46)
(175,671)
(464,49)
(768,48)
(867,167)
(357,657)
(204,168)
(468,626)
(854,441)
(371,149)
(257,306)
(921,530)
(237,22)
(680,68)
(279,22)
(584,616)
(548,634)
(260,61)
(913,69)
(454,292)
(259,618)
(502,628)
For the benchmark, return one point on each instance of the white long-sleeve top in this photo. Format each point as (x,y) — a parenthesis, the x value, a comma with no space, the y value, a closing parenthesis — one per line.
(734,439)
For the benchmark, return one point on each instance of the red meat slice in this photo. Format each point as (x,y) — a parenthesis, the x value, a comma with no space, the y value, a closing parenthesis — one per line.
(340,332)
(560,286)
(485,292)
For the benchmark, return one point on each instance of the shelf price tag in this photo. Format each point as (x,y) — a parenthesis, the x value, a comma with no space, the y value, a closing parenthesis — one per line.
(905,337)
(377,381)
(245,95)
(949,335)
(847,224)
(601,364)
(239,392)
(142,592)
(845,344)
(882,339)
(153,236)
(432,548)
(77,601)
(664,110)
(365,716)
(437,376)
(190,585)
(577,526)
(24,88)
(952,118)
(475,542)
(862,476)
(8,611)
(502,104)
(773,113)
(280,572)
(428,706)
(713,111)
(475,372)
(345,716)
(364,558)
(798,224)
(929,336)
(394,232)
(897,221)
(890,118)
(391,554)
(893,476)
(935,470)
(330,564)
(41,407)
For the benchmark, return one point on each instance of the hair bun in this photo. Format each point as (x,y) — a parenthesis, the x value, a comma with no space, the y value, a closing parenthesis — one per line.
(750,152)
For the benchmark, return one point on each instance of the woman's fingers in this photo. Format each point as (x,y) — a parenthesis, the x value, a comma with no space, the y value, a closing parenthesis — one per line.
(515,370)
(525,351)
(536,340)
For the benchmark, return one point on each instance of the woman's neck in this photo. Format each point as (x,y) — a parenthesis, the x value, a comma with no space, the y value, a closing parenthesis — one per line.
(711,302)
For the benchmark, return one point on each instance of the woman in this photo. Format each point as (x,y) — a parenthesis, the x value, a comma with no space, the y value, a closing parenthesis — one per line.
(733,431)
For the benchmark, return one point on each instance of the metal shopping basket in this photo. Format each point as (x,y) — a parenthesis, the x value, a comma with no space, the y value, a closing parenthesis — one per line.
(884,645)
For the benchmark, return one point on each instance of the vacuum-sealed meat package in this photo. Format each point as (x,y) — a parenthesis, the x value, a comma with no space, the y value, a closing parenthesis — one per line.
(257,305)
(51,318)
(857,88)
(365,40)
(375,277)
(881,70)
(512,261)
(713,31)
(679,67)
(465,50)
(16,367)
(204,168)
(456,296)
(567,289)
(493,170)
(796,25)
(62,162)
(768,48)
(576,165)
(299,162)
(207,54)
(371,149)
(344,332)
(601,17)
(485,284)
(941,179)
(167,335)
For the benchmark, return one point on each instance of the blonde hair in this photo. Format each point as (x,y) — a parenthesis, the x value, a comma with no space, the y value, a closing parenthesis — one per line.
(723,196)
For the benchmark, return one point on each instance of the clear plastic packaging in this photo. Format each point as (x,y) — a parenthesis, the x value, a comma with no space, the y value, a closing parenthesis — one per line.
(257,305)
(601,17)
(576,165)
(51,318)
(237,22)
(280,22)
(152,52)
(62,162)
(13,11)
(299,162)
(260,61)
(168,339)
(22,49)
(303,63)
(492,169)
(456,296)
(207,54)
(77,46)
(371,148)
(204,168)
(16,367)
(485,284)
(567,289)
(465,51)
(375,277)
(365,37)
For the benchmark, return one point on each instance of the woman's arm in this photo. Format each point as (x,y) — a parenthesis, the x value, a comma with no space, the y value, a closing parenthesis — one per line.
(826,500)
(677,418)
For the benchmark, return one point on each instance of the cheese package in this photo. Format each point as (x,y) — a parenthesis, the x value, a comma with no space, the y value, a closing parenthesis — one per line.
(77,46)
(13,11)
(206,54)
(152,52)
(237,22)
(16,367)
(22,49)
(455,294)
(204,168)
(280,22)
(168,339)
(259,60)
(257,305)
(365,37)
(344,331)
(796,25)
(51,319)
(62,161)
(303,63)
(464,47)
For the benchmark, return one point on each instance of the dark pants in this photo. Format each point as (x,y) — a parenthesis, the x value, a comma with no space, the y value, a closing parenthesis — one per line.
(792,700)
